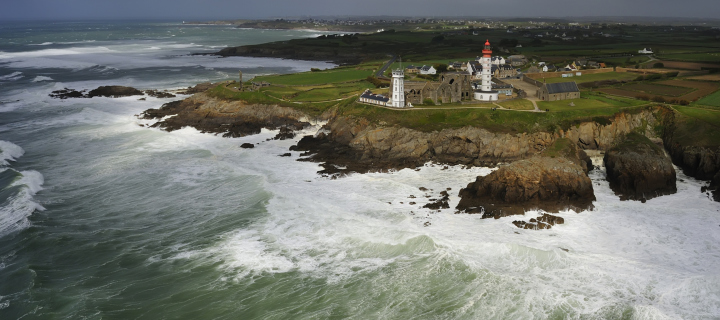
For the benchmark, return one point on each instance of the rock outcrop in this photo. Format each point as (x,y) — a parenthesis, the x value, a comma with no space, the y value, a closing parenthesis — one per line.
(114,92)
(637,169)
(230,118)
(541,182)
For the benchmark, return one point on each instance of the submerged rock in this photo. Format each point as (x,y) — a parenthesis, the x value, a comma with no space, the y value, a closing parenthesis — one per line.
(637,169)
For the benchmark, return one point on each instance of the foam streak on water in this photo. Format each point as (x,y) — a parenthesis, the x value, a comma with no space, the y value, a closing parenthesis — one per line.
(103,218)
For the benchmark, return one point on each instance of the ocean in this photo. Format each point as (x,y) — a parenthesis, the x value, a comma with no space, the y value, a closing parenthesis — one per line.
(101,218)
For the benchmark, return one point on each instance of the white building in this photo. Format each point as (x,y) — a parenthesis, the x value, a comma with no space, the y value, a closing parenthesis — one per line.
(645,51)
(397,87)
(428,70)
(486,93)
(497,60)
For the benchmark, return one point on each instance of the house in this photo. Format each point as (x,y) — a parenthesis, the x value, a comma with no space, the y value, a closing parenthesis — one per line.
(457,66)
(474,69)
(517,60)
(412,69)
(551,67)
(558,91)
(371,98)
(503,88)
(602,65)
(593,64)
(497,60)
(545,68)
(503,71)
(428,70)
(646,51)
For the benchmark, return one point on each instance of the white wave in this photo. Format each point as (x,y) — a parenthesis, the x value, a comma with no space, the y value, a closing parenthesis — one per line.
(41,44)
(42,78)
(9,152)
(14,212)
(12,77)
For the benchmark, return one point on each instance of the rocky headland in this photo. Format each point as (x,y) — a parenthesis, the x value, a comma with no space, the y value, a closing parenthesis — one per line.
(638,169)
(535,176)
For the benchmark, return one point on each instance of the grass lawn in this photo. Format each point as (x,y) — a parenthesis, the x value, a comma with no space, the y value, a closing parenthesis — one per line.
(620,76)
(712,100)
(518,104)
(315,78)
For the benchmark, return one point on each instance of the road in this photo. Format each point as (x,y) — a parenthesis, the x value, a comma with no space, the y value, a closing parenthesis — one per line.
(379,73)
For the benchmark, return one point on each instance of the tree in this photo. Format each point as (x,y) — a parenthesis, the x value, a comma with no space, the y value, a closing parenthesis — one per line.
(658,65)
(441,67)
(437,39)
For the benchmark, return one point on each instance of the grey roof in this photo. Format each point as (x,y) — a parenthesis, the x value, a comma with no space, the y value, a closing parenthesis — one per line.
(425,68)
(376,97)
(562,87)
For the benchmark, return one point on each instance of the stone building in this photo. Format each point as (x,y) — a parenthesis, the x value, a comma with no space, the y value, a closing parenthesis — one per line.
(503,71)
(452,87)
(558,91)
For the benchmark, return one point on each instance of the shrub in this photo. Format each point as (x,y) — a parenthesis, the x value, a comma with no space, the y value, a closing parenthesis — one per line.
(653,77)
(314,69)
(640,78)
(658,65)
(658,99)
(643,97)
(684,102)
(377,82)
(441,67)
(428,102)
(672,74)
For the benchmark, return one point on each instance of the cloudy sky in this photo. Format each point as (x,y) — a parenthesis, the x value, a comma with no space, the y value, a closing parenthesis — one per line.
(232,9)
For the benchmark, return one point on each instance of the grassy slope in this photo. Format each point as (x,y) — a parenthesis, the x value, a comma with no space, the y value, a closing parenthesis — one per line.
(697,127)
(518,104)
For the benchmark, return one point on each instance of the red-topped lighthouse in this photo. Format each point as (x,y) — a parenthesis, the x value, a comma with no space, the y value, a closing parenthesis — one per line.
(486,51)
(485,93)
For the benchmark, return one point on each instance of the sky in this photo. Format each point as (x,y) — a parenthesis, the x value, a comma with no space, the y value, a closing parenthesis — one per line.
(260,9)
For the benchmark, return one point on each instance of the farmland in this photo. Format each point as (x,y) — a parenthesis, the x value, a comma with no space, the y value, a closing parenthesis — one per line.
(680,89)
(712,100)
(620,76)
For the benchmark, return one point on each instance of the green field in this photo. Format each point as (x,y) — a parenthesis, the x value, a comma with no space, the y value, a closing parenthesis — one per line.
(619,76)
(315,78)
(518,104)
(712,100)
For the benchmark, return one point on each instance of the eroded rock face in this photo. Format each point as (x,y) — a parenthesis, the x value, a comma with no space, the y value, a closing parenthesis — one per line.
(550,184)
(639,170)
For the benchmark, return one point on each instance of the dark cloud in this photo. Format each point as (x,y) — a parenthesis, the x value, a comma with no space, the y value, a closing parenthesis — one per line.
(228,9)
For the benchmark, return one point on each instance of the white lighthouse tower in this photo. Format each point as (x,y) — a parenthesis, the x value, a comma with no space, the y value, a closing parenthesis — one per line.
(397,97)
(485,93)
